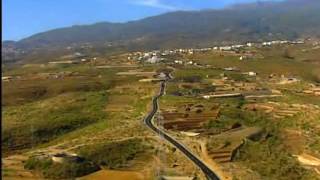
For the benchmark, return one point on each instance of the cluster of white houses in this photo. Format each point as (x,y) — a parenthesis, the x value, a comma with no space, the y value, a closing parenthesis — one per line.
(270,43)
(157,56)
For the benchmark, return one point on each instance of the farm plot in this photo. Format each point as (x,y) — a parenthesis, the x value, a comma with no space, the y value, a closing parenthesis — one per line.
(188,117)
(281,110)
(222,147)
(118,103)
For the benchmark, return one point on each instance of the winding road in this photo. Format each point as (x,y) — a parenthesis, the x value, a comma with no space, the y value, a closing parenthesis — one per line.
(149,122)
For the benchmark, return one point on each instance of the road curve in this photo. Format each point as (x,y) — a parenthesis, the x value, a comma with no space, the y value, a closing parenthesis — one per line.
(148,121)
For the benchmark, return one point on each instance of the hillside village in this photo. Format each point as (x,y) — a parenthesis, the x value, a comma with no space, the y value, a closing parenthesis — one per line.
(237,50)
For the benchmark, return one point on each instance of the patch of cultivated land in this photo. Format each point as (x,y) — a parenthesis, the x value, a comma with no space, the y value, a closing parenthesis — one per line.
(188,116)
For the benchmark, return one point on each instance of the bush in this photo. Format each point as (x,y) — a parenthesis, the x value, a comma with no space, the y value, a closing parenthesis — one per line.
(113,155)
(274,162)
(191,79)
(50,169)
(165,70)
(34,163)
(36,124)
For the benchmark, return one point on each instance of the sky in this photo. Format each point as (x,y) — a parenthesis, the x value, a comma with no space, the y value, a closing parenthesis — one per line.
(22,18)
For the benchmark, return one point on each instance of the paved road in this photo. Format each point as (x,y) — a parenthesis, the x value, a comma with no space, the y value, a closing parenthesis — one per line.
(148,121)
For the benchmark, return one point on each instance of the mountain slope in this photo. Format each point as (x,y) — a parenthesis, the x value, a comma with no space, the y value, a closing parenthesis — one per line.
(247,22)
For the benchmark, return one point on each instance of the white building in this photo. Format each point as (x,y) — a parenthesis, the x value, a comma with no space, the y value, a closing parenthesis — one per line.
(190,62)
(266,44)
(6,78)
(251,73)
(230,69)
(154,59)
(146,55)
(226,48)
(178,62)
(237,46)
(249,44)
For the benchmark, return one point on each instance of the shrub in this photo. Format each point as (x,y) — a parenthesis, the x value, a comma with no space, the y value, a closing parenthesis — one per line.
(35,163)
(191,79)
(50,169)
(274,162)
(113,155)
(38,124)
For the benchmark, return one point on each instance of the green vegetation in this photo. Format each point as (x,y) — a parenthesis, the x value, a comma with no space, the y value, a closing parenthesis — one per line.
(269,157)
(190,79)
(46,89)
(222,123)
(272,62)
(272,161)
(84,79)
(200,74)
(37,111)
(115,154)
(38,122)
(65,170)
(7,172)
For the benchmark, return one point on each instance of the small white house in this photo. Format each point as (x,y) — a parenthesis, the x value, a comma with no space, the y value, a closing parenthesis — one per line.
(252,73)
(178,62)
(230,69)
(226,48)
(146,55)
(237,46)
(6,78)
(266,44)
(153,59)
(190,62)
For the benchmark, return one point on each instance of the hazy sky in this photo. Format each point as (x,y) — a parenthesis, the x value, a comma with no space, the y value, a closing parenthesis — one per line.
(22,18)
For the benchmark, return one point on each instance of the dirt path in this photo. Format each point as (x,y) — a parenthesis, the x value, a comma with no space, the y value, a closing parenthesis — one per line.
(213,165)
(114,175)
(13,168)
(308,160)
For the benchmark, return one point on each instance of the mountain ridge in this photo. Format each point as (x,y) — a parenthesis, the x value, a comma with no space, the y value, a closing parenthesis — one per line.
(290,19)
